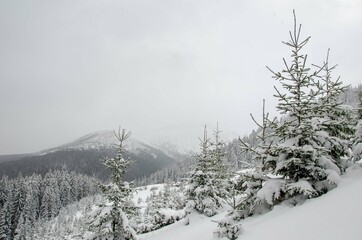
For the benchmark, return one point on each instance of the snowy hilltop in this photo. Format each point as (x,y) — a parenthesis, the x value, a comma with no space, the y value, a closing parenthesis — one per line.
(98,140)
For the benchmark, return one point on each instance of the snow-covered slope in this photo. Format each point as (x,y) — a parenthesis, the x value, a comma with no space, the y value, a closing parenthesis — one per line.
(200,228)
(334,216)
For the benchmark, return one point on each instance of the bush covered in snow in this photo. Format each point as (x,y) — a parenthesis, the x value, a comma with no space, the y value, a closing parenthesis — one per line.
(230,226)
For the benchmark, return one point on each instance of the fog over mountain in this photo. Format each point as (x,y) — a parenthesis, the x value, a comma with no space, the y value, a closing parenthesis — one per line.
(68,68)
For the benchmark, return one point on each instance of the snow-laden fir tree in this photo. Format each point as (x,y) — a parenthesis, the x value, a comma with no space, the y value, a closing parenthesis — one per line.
(51,203)
(17,204)
(335,120)
(28,216)
(202,192)
(262,142)
(110,220)
(242,197)
(3,190)
(299,157)
(251,180)
(230,226)
(222,172)
(5,220)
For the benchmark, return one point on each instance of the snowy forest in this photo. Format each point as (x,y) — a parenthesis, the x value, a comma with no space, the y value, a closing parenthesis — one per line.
(288,160)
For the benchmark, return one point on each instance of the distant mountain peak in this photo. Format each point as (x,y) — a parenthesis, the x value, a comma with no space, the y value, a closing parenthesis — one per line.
(84,155)
(98,140)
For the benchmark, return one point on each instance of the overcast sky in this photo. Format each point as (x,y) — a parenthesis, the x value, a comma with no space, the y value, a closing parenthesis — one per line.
(72,67)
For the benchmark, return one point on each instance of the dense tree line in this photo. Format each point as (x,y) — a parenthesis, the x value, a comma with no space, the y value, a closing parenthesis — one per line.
(174,173)
(26,201)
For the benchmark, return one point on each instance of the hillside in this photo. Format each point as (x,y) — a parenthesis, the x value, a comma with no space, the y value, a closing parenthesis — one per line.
(333,216)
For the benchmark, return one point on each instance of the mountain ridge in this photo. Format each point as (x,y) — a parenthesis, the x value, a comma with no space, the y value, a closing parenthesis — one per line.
(84,155)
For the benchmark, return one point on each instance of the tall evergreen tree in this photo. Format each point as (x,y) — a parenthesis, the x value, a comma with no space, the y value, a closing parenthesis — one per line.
(252,180)
(110,220)
(5,220)
(230,225)
(299,156)
(222,171)
(202,192)
(50,203)
(262,141)
(336,121)
(28,215)
(3,190)
(17,203)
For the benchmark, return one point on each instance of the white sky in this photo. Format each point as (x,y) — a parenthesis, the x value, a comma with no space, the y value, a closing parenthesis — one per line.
(71,67)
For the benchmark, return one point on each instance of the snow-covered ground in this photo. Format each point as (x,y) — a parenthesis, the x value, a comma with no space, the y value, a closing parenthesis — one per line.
(334,216)
(200,228)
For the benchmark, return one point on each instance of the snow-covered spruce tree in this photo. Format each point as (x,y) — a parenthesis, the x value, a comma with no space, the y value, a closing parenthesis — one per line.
(50,202)
(300,159)
(110,220)
(5,220)
(335,120)
(242,196)
(3,190)
(243,189)
(27,218)
(263,142)
(251,180)
(17,203)
(218,166)
(202,193)
(230,226)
